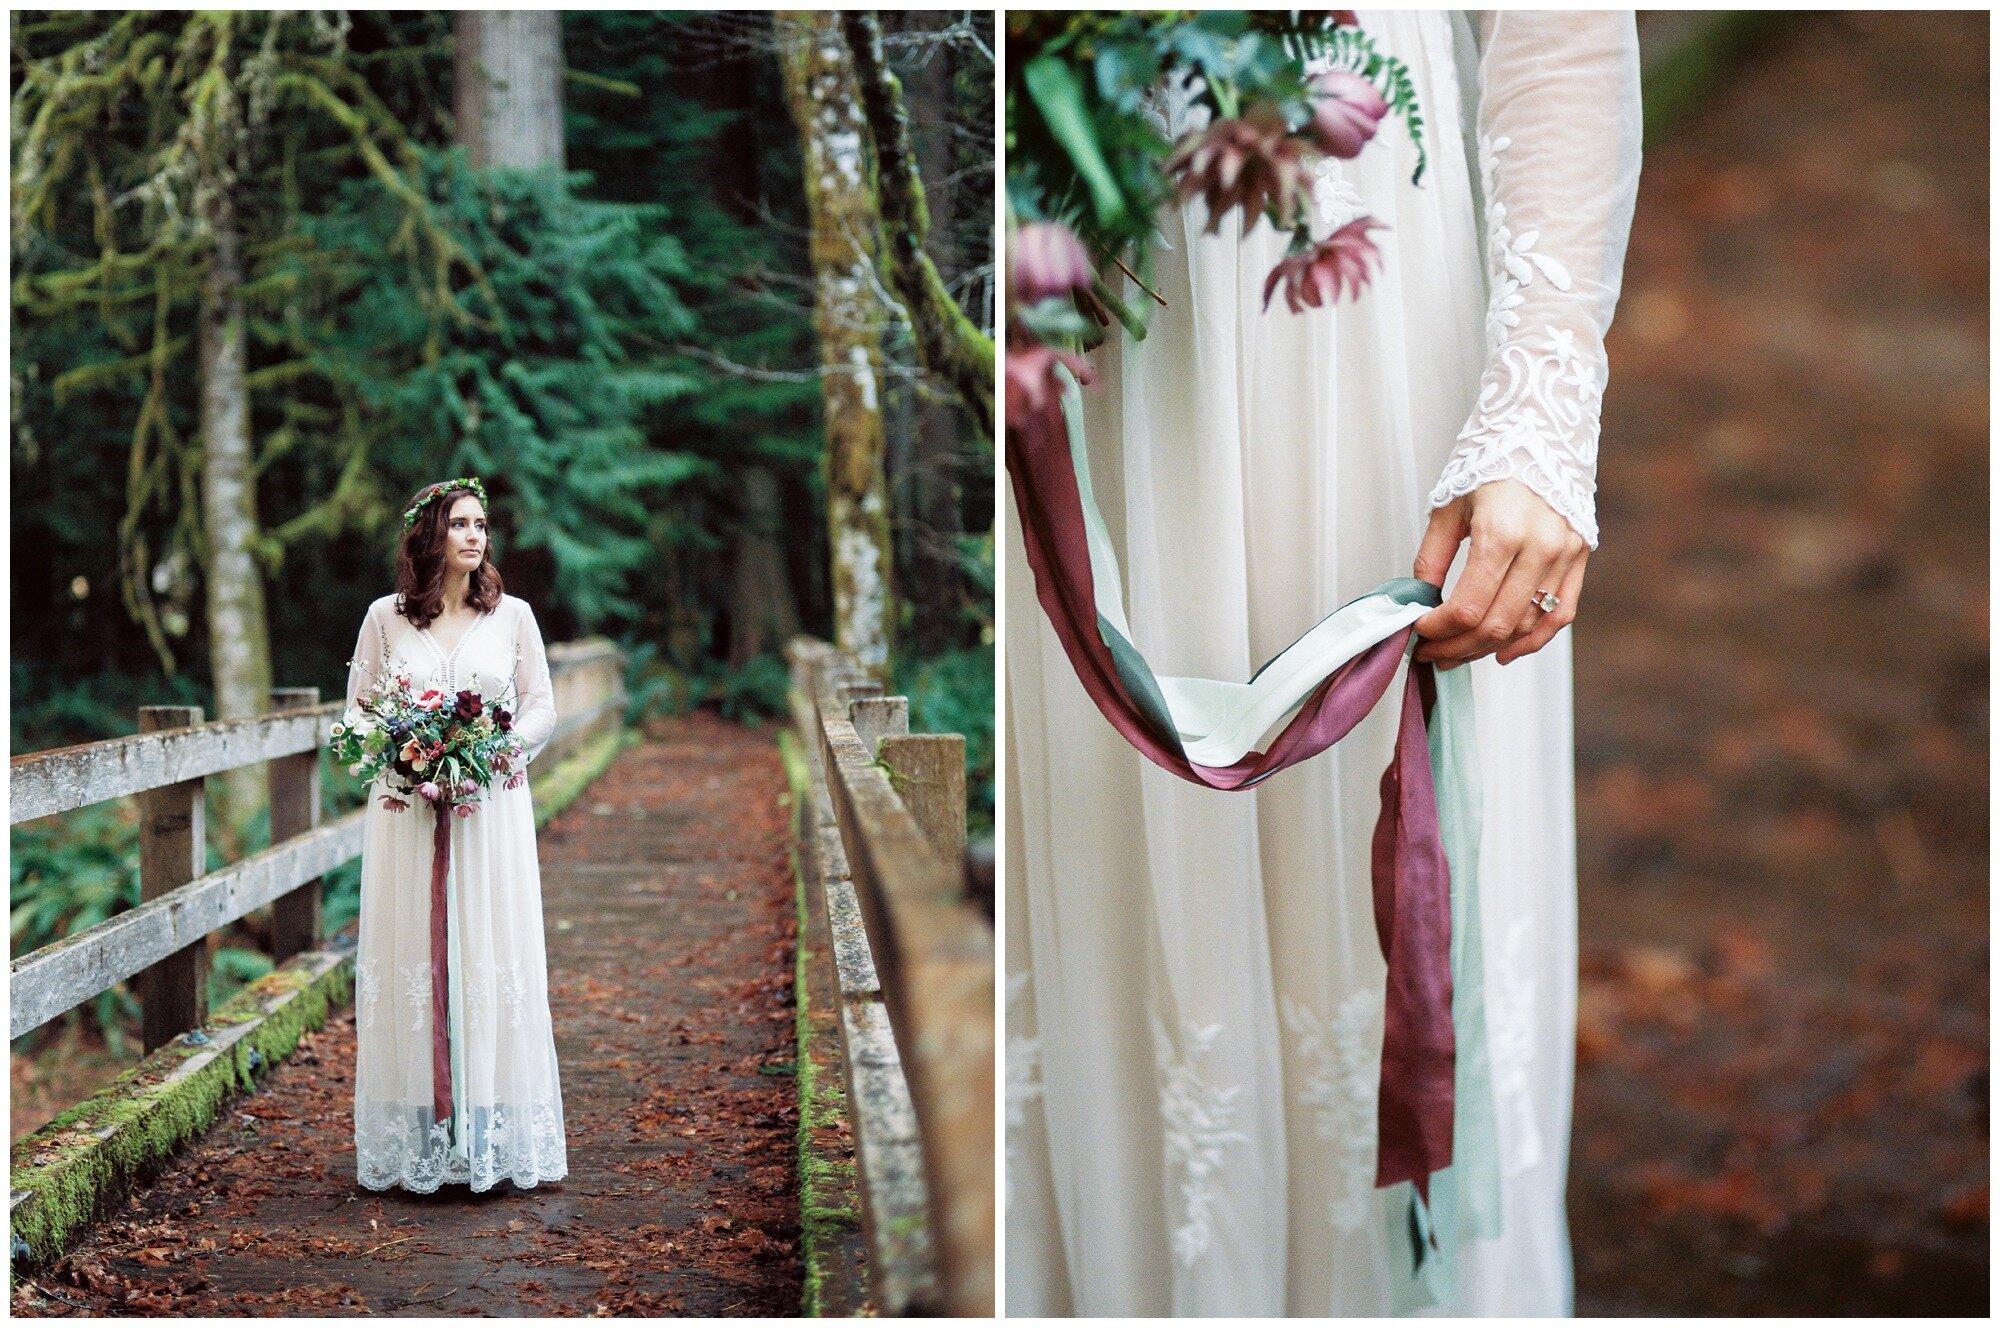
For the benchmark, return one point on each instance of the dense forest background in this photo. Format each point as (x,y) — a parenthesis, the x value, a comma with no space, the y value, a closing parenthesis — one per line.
(622,342)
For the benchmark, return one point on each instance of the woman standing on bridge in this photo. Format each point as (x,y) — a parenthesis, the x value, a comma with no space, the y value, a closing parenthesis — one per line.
(455,1067)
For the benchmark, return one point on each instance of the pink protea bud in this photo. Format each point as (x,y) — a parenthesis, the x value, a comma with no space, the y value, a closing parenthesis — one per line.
(1251,161)
(429,792)
(1324,272)
(1048,260)
(1347,109)
(395,804)
(462,809)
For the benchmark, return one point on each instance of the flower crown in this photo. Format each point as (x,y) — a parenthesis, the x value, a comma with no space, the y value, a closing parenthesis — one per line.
(442,486)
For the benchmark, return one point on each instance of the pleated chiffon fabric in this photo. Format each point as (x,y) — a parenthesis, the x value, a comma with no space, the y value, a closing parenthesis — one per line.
(1196,988)
(494,1110)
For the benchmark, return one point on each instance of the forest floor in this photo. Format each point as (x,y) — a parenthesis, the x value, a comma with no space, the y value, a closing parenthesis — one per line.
(669,913)
(1782,708)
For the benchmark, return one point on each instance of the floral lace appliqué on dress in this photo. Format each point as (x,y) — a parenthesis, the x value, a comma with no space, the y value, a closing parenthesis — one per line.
(1341,1087)
(1024,1076)
(1195,1115)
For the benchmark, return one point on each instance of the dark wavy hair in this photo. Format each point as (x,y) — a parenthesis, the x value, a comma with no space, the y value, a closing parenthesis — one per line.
(420,562)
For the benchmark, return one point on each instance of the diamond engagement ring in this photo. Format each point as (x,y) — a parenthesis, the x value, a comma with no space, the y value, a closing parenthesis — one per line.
(1544,601)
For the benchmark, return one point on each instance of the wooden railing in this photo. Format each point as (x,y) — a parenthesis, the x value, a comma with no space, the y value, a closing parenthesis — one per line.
(162,943)
(883,838)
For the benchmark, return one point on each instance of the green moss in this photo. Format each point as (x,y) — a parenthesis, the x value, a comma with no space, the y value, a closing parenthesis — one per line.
(561,786)
(821,1216)
(1675,84)
(77,1166)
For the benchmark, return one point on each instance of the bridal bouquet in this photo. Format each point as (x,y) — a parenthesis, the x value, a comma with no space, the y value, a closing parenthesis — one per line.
(438,746)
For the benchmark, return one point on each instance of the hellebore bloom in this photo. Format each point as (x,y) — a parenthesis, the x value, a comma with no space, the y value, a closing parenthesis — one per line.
(468,706)
(429,791)
(1048,260)
(1252,162)
(1324,272)
(468,786)
(395,804)
(463,809)
(515,781)
(1347,109)
(1031,375)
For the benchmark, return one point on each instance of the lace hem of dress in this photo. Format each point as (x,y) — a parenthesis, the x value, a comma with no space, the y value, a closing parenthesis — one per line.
(397,1144)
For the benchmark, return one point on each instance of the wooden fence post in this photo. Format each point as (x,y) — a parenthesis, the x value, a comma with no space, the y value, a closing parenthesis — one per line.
(173,850)
(927,770)
(876,717)
(295,918)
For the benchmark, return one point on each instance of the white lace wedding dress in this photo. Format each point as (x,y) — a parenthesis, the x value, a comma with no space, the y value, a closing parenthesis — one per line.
(1194,989)
(504,1082)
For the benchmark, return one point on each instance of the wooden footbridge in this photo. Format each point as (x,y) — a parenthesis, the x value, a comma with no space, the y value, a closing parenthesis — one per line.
(719,1163)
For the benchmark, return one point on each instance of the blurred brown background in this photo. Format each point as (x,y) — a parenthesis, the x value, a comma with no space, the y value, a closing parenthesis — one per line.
(1782,685)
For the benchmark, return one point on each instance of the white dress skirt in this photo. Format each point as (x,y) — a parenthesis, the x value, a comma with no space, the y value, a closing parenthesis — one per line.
(1195,988)
(506,1097)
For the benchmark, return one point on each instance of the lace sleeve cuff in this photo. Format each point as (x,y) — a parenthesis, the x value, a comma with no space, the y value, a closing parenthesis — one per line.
(1536,422)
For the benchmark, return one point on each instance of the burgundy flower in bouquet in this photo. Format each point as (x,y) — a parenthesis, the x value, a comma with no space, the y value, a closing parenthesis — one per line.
(468,706)
(1322,273)
(1252,161)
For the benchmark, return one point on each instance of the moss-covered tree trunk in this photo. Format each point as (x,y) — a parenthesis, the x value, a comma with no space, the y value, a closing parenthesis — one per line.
(948,343)
(239,634)
(934,484)
(507,86)
(848,315)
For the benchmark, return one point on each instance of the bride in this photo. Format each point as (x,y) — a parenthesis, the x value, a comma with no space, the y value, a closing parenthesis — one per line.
(1195,987)
(455,1081)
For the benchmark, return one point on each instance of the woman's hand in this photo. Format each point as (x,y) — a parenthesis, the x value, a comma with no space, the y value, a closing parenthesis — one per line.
(1519,546)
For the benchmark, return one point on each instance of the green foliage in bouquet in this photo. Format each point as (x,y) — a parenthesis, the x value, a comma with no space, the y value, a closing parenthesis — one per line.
(1084,152)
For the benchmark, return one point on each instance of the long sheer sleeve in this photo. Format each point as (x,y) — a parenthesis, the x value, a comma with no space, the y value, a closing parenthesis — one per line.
(1559,132)
(369,653)
(534,694)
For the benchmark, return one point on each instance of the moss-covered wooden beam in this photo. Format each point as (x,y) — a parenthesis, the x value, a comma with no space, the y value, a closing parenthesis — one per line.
(832,1245)
(571,776)
(948,343)
(78,1166)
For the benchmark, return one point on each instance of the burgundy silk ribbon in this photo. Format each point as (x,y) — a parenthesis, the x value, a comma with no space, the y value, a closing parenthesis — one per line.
(1412,886)
(440,965)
